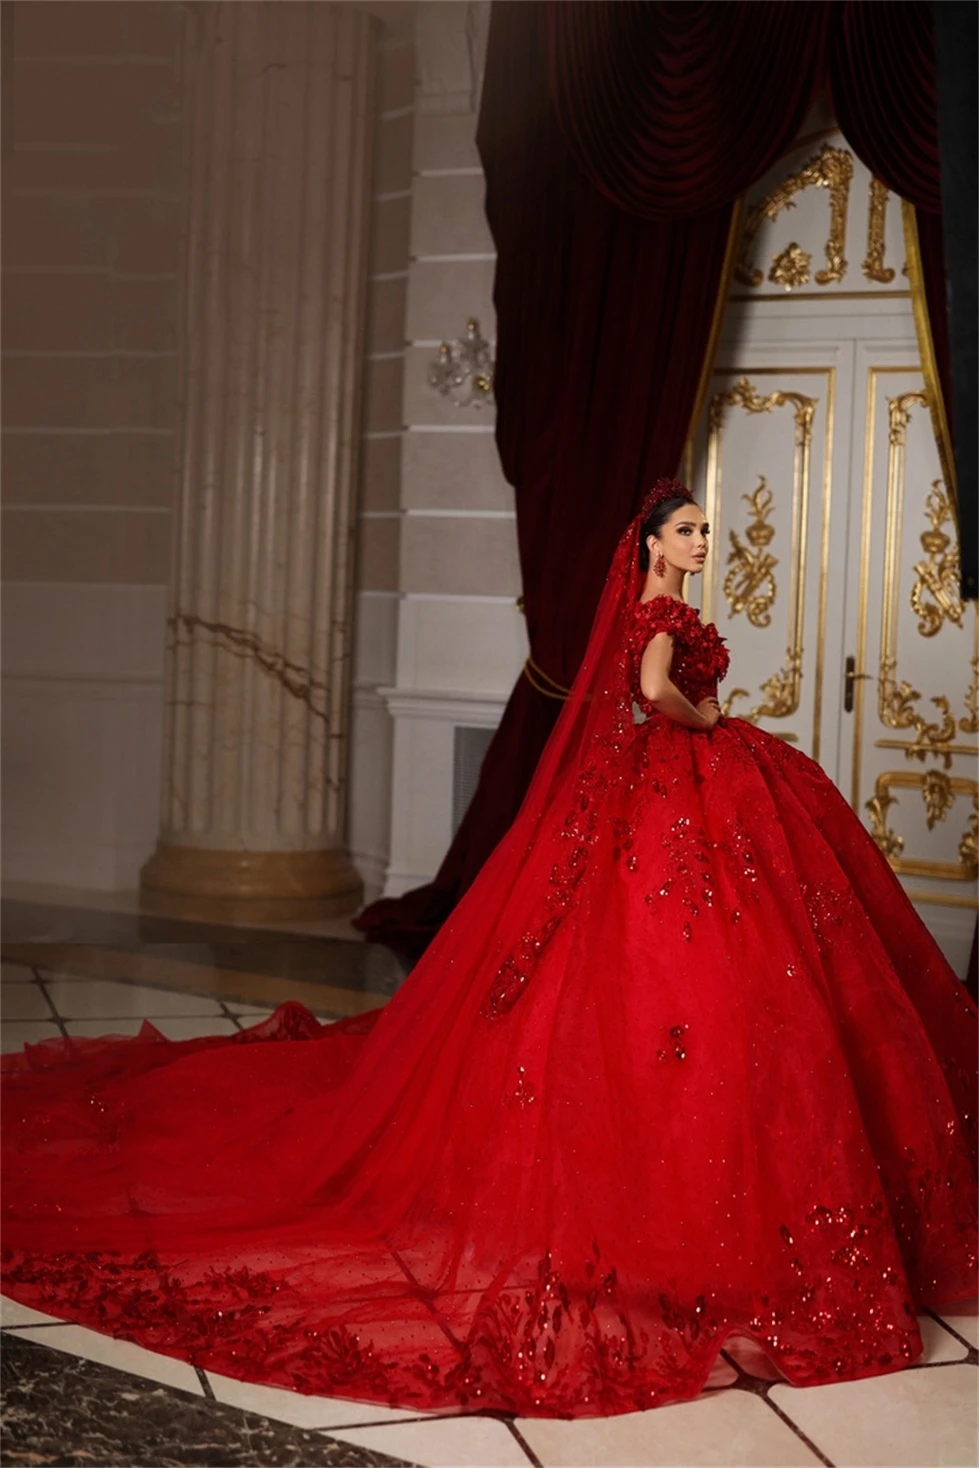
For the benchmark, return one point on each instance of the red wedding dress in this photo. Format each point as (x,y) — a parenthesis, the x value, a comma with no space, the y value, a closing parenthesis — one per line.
(683,1064)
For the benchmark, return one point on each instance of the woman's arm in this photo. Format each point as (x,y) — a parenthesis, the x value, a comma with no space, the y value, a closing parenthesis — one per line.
(654,679)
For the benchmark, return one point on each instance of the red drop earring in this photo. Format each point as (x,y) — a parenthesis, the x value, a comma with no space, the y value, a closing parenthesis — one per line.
(659,565)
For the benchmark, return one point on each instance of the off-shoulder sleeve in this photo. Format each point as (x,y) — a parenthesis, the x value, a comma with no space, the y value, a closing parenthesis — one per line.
(664,614)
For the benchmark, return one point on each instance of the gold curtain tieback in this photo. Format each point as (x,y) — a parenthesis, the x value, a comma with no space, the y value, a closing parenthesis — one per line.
(542,682)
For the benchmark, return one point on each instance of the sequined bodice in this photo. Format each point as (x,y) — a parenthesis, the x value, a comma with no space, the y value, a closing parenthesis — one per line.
(700,659)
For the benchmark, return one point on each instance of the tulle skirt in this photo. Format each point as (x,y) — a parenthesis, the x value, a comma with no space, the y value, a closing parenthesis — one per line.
(688,1067)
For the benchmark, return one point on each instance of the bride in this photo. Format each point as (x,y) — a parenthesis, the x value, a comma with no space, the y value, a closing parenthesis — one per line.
(684,1064)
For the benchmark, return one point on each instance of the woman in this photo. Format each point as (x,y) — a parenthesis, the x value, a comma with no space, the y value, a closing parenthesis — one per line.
(683,1064)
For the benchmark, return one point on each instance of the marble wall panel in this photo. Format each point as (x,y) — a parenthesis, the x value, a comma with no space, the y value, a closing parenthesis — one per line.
(105,28)
(380,473)
(394,87)
(445,142)
(58,100)
(84,392)
(476,645)
(378,550)
(111,468)
(70,630)
(81,774)
(389,235)
(382,395)
(453,471)
(448,216)
(386,314)
(462,556)
(130,234)
(369,820)
(392,155)
(51,313)
(443,294)
(100,545)
(375,642)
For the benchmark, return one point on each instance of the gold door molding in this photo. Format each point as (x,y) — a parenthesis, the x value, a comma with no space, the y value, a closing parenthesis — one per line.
(930,594)
(832,169)
(939,792)
(933,598)
(781,691)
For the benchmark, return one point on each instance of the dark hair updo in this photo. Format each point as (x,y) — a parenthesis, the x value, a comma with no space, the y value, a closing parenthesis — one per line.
(655,520)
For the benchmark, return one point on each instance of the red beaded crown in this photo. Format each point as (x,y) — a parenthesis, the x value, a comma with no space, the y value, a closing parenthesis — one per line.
(663,489)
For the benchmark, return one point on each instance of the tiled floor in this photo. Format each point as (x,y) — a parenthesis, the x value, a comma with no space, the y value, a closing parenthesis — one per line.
(88,977)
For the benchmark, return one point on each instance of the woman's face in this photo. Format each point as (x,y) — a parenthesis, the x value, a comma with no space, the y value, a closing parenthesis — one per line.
(683,539)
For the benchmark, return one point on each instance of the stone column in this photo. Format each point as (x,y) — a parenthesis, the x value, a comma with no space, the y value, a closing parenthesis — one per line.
(277,173)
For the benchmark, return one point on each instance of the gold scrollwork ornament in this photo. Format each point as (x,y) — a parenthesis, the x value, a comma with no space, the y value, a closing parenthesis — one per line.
(970,724)
(937,577)
(873,266)
(896,709)
(831,169)
(938,796)
(781,692)
(969,845)
(890,843)
(750,585)
(790,268)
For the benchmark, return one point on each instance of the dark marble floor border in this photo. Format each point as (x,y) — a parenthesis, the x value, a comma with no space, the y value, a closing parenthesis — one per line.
(346,963)
(63,1410)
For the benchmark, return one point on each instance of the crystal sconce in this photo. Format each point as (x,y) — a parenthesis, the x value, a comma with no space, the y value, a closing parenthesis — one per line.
(463,370)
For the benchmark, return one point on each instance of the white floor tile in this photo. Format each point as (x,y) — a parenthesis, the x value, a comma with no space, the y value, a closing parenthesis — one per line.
(939,1345)
(121,1355)
(752,1359)
(175,1027)
(296,1408)
(15,973)
(722,1374)
(248,1008)
(448,1442)
(12,1312)
(727,1429)
(15,1034)
(104,999)
(965,1320)
(24,1001)
(911,1419)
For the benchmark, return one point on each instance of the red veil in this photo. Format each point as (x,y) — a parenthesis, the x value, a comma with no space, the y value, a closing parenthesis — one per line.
(216,1165)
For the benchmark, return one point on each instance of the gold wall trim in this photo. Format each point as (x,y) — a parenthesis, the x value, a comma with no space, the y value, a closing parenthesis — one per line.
(826,296)
(818,675)
(909,744)
(929,364)
(710,355)
(866,520)
(941,899)
(783,687)
(966,869)
(897,702)
(830,169)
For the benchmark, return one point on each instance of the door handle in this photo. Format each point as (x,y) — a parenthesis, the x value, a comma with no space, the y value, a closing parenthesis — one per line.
(850,678)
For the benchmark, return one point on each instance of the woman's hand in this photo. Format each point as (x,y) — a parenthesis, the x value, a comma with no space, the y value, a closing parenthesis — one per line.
(709,709)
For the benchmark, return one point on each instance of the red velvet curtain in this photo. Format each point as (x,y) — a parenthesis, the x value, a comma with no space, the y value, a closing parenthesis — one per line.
(670,109)
(616,139)
(881,74)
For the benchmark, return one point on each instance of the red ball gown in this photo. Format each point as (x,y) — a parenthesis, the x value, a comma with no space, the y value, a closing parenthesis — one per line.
(683,1064)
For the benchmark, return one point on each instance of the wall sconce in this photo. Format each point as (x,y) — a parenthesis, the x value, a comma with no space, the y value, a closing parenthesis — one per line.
(463,370)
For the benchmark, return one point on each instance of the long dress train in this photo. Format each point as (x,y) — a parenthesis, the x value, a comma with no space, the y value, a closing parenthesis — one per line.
(684,1063)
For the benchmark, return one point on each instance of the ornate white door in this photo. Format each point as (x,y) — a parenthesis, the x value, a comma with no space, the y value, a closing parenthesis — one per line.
(834,569)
